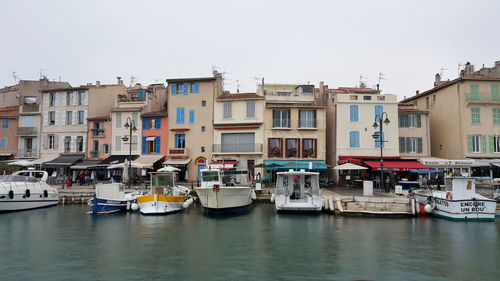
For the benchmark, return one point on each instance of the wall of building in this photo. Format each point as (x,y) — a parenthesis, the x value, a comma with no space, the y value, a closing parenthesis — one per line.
(10,115)
(118,131)
(239,112)
(102,98)
(162,133)
(106,139)
(415,132)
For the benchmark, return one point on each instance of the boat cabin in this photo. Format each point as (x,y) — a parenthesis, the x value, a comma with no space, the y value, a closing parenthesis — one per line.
(162,182)
(297,184)
(210,177)
(461,187)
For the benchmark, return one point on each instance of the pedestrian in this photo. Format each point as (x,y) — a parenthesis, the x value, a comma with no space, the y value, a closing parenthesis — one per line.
(438,181)
(387,184)
(392,177)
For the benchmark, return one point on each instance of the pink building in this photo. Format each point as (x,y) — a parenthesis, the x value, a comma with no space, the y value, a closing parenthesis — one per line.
(155,133)
(99,137)
(8,131)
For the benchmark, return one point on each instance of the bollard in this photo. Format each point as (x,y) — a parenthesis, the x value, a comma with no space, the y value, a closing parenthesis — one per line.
(339,205)
(63,199)
(325,205)
(330,202)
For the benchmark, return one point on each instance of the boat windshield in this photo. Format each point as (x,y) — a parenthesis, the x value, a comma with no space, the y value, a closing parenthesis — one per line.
(210,176)
(163,180)
(17,178)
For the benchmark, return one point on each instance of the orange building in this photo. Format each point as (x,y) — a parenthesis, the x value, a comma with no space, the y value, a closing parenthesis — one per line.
(155,133)
(8,131)
(99,137)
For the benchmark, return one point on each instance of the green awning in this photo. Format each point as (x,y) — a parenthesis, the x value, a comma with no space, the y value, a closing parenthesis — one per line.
(296,165)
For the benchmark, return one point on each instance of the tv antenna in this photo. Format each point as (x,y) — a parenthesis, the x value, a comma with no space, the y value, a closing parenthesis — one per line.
(459,66)
(14,75)
(42,74)
(381,76)
(361,80)
(441,72)
(133,79)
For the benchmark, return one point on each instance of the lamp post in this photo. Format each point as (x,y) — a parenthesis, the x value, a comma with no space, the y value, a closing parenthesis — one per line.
(380,124)
(129,124)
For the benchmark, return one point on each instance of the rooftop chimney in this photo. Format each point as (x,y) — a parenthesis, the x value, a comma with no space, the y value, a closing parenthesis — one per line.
(437,79)
(97,83)
(119,80)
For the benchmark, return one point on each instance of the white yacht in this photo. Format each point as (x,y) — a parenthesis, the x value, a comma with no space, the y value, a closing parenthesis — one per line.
(165,195)
(25,190)
(214,195)
(459,201)
(298,191)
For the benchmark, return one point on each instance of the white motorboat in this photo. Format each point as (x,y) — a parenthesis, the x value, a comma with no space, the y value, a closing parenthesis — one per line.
(298,191)
(25,190)
(111,198)
(214,195)
(165,195)
(459,201)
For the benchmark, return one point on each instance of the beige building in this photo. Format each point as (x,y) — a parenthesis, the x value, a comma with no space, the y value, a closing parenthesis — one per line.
(27,95)
(414,137)
(238,134)
(465,114)
(190,122)
(350,117)
(294,128)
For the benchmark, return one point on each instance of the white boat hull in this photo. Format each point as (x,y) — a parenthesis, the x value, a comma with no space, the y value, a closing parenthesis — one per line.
(41,195)
(307,204)
(157,204)
(224,197)
(459,209)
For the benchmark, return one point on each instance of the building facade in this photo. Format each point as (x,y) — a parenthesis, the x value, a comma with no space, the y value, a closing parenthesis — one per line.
(99,137)
(414,136)
(8,131)
(154,133)
(190,126)
(238,143)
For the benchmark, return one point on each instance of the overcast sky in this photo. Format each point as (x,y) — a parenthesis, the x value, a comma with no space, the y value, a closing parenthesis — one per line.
(282,41)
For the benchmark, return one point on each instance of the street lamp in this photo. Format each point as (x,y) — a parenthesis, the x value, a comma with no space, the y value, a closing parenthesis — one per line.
(379,118)
(129,124)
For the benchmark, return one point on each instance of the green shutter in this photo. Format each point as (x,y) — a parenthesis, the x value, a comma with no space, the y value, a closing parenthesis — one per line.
(419,121)
(118,120)
(483,143)
(408,145)
(419,145)
(118,143)
(401,144)
(134,142)
(496,116)
(475,116)
(492,148)
(495,93)
(469,143)
(474,92)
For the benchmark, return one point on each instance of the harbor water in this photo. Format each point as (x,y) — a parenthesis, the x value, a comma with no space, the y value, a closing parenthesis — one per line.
(65,243)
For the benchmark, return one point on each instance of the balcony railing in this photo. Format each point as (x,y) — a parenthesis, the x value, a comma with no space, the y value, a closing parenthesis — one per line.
(94,154)
(178,152)
(482,98)
(97,132)
(238,148)
(307,124)
(27,131)
(26,153)
(132,97)
(281,123)
(30,108)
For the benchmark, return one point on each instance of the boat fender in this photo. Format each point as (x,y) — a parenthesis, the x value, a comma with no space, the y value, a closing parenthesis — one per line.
(253,195)
(428,208)
(187,203)
(45,193)
(134,206)
(422,209)
(11,194)
(449,196)
(28,193)
(128,205)
(272,198)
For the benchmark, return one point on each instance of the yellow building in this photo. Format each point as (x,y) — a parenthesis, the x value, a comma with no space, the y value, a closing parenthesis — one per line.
(414,137)
(294,128)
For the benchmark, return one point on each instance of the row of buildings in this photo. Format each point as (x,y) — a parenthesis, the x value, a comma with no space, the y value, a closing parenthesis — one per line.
(192,122)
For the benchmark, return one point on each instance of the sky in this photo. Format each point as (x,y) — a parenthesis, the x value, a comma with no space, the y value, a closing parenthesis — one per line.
(338,42)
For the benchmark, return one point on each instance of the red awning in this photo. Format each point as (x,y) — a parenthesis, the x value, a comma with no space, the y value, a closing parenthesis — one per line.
(397,165)
(223,164)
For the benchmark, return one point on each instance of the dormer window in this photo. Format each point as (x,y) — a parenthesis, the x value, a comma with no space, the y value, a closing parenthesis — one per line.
(308,89)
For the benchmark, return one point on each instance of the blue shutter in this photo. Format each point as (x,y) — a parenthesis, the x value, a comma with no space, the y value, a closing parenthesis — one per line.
(158,122)
(158,144)
(354,112)
(185,88)
(191,117)
(144,123)
(379,109)
(196,87)
(144,145)
(353,139)
(383,139)
(356,143)
(174,89)
(140,94)
(180,115)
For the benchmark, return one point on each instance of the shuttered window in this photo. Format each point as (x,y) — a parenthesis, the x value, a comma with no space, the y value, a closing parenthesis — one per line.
(238,142)
(180,115)
(250,109)
(379,109)
(354,113)
(118,143)
(495,93)
(475,116)
(227,110)
(402,144)
(191,117)
(354,139)
(474,92)
(496,116)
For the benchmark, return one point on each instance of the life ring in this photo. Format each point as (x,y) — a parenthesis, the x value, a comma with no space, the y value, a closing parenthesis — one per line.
(216,188)
(449,196)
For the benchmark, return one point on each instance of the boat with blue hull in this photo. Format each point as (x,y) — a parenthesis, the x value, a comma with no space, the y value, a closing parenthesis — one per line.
(110,199)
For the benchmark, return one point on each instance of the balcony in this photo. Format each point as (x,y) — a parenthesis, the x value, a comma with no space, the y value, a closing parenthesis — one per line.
(281,123)
(482,98)
(30,108)
(97,132)
(94,154)
(241,148)
(27,131)
(26,153)
(136,96)
(307,124)
(178,152)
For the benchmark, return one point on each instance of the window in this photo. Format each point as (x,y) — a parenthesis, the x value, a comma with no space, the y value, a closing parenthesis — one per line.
(195,88)
(151,123)
(180,115)
(402,144)
(411,121)
(238,142)
(476,142)
(80,98)
(308,148)
(495,144)
(180,140)
(250,109)
(203,103)
(135,117)
(495,93)
(151,145)
(118,121)
(191,117)
(354,113)
(227,112)
(496,116)
(203,128)
(105,148)
(98,129)
(5,123)
(354,139)
(202,149)
(95,147)
(182,88)
(67,144)
(80,117)
(68,98)
(474,92)
(52,143)
(52,99)
(79,144)
(281,118)
(29,121)
(4,143)
(69,117)
(307,118)
(307,89)
(378,110)
(284,93)
(274,148)
(52,117)
(291,148)
(367,97)
(412,145)
(353,97)
(475,116)
(29,100)
(379,141)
